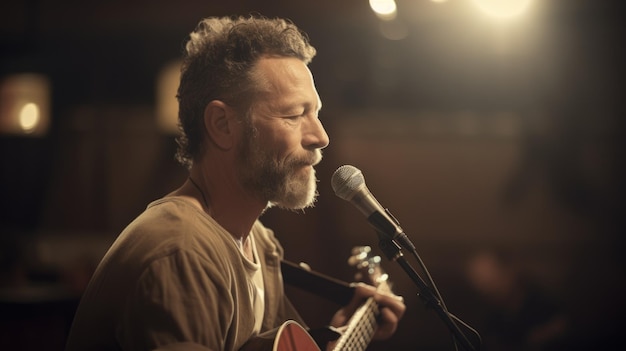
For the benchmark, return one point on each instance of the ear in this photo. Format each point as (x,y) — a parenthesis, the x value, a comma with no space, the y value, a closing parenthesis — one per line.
(220,124)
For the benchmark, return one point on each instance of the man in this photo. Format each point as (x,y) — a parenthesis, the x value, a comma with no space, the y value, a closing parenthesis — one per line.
(197,270)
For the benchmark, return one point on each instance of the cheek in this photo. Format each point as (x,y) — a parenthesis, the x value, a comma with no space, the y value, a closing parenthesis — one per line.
(282,144)
(278,136)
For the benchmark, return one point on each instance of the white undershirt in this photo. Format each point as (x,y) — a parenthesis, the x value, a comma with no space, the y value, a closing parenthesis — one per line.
(255,283)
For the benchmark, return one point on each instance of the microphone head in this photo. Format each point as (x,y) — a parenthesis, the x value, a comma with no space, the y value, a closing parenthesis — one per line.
(346,181)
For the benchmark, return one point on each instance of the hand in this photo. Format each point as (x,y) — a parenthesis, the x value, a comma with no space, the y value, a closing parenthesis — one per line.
(391,309)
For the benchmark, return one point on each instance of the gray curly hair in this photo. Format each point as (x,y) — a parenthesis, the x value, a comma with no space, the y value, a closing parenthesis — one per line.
(217,64)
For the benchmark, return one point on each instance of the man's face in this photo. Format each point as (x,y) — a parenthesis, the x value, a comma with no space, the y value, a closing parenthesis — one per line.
(284,137)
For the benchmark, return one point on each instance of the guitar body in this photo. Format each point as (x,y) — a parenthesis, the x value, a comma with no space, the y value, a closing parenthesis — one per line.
(290,336)
(358,332)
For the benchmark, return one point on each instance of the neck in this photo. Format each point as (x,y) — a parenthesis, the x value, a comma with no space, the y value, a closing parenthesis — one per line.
(205,202)
(220,195)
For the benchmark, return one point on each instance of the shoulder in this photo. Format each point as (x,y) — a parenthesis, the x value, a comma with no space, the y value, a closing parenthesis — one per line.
(172,226)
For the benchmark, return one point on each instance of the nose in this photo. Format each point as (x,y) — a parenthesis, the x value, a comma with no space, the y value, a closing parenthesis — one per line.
(315,135)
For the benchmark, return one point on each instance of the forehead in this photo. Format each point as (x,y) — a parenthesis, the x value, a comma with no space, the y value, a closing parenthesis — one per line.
(284,77)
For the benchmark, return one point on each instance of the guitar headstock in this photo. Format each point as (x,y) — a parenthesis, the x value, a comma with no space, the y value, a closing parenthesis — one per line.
(368,268)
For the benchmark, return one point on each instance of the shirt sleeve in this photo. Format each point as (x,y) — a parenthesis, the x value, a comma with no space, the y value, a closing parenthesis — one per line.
(178,298)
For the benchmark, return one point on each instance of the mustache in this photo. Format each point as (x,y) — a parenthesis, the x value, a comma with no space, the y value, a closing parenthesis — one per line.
(316,157)
(312,158)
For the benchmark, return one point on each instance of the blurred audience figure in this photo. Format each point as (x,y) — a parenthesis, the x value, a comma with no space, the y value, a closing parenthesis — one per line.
(519,315)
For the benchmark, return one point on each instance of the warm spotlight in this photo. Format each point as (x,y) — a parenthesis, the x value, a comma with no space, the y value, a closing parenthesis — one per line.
(503,8)
(385,9)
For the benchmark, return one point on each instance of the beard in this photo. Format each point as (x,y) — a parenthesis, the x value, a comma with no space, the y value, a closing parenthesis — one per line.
(289,183)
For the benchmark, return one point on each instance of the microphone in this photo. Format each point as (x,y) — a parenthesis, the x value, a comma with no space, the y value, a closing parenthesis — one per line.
(349,184)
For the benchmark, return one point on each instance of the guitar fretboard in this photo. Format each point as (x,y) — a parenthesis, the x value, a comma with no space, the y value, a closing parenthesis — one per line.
(360,329)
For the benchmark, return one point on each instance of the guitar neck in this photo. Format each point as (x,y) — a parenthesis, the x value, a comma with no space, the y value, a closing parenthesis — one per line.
(360,328)
(363,323)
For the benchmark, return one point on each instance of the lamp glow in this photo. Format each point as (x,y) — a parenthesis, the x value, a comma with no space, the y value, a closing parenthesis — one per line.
(29,117)
(167,104)
(25,104)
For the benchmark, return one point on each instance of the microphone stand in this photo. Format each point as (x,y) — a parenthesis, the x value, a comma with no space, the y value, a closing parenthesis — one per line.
(393,252)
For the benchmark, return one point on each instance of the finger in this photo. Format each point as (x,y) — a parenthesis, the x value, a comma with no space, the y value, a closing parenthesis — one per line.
(363,290)
(361,293)
(394,303)
(388,323)
(385,299)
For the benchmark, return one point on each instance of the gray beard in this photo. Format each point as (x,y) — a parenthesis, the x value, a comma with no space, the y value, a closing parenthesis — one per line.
(279,183)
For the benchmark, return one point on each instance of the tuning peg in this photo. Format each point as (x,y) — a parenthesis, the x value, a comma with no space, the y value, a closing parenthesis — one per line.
(359,255)
(357,250)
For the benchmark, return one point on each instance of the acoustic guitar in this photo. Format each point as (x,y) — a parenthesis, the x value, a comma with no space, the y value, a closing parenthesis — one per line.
(358,333)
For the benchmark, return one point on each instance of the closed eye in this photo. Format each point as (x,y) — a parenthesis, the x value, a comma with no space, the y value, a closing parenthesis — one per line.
(295,117)
(306,113)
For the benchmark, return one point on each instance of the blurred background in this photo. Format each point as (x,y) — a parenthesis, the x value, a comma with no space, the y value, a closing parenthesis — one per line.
(493,130)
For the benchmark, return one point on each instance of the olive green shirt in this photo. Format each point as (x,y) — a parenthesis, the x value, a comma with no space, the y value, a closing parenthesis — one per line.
(173,277)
